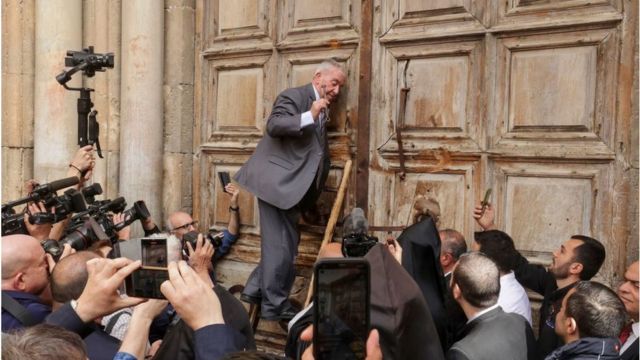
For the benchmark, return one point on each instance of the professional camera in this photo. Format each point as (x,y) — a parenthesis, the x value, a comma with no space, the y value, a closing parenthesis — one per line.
(138,211)
(71,201)
(93,225)
(79,237)
(355,241)
(90,192)
(213,236)
(87,61)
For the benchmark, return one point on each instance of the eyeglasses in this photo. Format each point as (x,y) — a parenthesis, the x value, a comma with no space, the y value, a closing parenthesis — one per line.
(194,223)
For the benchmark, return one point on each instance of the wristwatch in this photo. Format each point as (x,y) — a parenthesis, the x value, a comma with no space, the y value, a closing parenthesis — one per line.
(236,209)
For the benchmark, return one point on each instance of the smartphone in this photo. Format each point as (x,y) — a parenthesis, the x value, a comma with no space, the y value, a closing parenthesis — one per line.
(485,200)
(225,179)
(341,308)
(155,254)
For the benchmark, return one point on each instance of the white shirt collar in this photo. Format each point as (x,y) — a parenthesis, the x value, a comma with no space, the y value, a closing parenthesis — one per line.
(479,313)
(315,92)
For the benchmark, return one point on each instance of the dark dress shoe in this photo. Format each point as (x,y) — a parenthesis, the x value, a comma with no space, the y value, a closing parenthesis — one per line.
(284,315)
(251,299)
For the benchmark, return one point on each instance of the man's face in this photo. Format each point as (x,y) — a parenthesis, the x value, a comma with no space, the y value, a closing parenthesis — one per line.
(36,275)
(561,321)
(329,81)
(563,258)
(182,223)
(628,291)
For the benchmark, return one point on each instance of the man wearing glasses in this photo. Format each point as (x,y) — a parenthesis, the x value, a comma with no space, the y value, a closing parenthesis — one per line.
(180,223)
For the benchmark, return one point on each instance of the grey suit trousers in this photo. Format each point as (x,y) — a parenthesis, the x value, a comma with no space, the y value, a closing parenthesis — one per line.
(279,246)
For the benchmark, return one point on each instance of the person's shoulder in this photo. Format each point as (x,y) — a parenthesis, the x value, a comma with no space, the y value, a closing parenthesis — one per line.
(297,92)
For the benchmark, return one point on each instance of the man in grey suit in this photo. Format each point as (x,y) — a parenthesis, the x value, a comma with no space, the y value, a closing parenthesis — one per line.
(490,333)
(286,173)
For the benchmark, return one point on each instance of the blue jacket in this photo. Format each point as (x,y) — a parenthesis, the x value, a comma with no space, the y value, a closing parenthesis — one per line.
(31,302)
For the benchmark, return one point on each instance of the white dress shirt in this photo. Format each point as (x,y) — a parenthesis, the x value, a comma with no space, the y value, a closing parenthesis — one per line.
(513,297)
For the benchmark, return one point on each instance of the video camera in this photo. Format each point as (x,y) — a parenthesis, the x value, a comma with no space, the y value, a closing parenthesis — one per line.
(71,201)
(355,241)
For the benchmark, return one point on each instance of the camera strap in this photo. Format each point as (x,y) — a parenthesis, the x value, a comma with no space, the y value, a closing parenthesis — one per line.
(18,311)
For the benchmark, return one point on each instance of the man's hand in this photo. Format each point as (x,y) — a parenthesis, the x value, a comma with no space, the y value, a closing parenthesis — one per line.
(373,344)
(38,231)
(66,251)
(83,162)
(100,296)
(194,300)
(200,258)
(395,249)
(125,233)
(233,190)
(318,106)
(485,216)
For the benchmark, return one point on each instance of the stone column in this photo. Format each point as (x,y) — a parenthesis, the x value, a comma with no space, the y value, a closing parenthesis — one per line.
(141,125)
(18,45)
(178,103)
(58,29)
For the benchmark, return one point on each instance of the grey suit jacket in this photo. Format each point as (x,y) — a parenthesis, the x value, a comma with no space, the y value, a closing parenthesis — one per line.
(286,160)
(495,335)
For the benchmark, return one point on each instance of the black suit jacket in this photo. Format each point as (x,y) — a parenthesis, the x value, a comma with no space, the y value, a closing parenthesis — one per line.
(495,335)
(284,165)
(631,353)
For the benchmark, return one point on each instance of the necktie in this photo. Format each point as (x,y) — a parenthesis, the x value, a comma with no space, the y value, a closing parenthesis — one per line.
(625,333)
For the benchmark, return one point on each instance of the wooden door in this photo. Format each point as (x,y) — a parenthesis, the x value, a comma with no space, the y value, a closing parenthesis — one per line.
(532,98)
(521,96)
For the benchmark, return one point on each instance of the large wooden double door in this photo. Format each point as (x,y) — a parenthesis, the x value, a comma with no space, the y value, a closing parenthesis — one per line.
(532,98)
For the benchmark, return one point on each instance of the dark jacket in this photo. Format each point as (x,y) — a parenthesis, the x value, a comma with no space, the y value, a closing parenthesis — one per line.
(421,258)
(98,343)
(588,348)
(495,335)
(180,342)
(32,303)
(538,279)
(631,353)
(399,311)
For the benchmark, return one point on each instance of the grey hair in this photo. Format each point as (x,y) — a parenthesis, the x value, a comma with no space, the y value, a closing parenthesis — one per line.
(328,65)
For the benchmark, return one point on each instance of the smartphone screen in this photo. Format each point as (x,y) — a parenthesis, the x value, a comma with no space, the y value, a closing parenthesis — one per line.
(155,254)
(341,309)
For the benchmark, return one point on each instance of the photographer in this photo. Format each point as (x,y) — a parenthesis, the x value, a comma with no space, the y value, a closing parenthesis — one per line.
(25,279)
(180,223)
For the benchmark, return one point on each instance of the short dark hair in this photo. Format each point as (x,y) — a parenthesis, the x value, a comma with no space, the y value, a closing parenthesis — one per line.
(590,254)
(453,242)
(70,275)
(499,247)
(478,278)
(43,341)
(597,310)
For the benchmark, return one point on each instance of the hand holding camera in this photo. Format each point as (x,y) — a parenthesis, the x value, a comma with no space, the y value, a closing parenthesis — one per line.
(200,258)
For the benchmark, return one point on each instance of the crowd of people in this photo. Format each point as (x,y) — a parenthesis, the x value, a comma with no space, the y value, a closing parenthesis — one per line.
(431,296)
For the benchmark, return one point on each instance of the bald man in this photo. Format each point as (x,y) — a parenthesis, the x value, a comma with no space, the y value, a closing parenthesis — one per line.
(25,279)
(180,223)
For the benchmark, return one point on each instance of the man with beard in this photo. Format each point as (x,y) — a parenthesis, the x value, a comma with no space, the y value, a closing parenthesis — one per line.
(25,282)
(578,258)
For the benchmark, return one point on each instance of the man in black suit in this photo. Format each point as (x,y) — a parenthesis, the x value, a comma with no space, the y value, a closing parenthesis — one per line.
(286,173)
(628,293)
(490,333)
(589,322)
